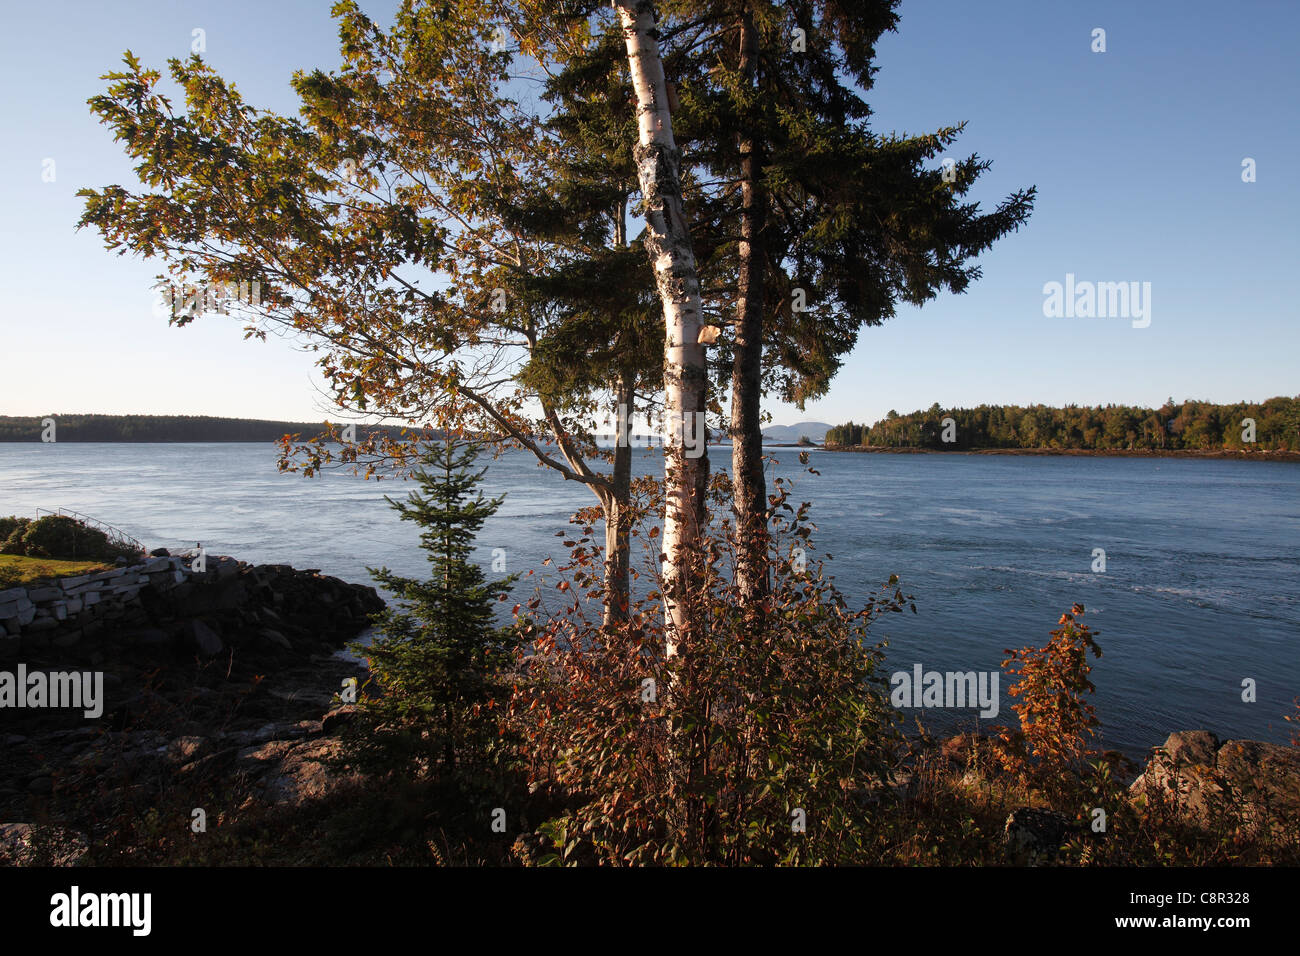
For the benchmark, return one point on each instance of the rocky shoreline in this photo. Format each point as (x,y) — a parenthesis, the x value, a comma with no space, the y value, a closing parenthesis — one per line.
(223,696)
(230,675)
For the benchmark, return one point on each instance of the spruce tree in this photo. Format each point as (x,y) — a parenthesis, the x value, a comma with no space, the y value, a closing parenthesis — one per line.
(440,658)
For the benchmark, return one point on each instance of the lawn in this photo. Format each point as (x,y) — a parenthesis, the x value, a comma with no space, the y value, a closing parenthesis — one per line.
(16,570)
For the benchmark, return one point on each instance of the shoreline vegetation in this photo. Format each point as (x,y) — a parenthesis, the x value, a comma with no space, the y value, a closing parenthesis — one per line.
(175,429)
(1190,429)
(1239,454)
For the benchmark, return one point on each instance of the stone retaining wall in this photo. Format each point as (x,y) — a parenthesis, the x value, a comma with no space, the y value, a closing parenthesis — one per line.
(63,611)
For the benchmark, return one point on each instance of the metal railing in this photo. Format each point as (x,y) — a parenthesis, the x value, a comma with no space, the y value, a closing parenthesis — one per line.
(115,535)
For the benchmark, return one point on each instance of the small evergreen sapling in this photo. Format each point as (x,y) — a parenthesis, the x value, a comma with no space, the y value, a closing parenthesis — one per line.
(439,659)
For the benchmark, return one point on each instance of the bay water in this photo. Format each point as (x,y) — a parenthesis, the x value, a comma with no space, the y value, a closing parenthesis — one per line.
(1200,592)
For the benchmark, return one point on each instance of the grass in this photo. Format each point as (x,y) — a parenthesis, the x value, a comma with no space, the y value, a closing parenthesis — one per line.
(16,570)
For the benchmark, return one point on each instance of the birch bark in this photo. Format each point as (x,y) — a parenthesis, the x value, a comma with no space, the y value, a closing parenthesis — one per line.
(668,242)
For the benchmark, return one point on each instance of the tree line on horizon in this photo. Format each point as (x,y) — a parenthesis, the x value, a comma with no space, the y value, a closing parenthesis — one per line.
(1192,425)
(166,428)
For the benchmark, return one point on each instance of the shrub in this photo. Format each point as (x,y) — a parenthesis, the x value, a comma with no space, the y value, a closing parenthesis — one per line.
(65,538)
(11,534)
(763,741)
(1056,721)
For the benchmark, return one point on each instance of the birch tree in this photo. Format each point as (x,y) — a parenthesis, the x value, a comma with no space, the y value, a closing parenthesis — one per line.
(672,257)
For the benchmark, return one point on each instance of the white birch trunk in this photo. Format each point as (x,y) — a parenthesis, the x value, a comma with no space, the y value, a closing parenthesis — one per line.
(668,241)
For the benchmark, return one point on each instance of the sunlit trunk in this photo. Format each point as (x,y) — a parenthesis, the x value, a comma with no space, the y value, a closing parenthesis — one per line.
(668,242)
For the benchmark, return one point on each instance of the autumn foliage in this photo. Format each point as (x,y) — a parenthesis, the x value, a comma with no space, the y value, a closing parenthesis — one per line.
(761,742)
(1057,723)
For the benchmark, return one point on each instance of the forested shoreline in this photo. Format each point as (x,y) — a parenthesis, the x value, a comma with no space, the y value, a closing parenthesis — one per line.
(1190,427)
(162,428)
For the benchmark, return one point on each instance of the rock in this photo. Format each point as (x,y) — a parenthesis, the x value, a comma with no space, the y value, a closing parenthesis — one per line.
(337,717)
(203,638)
(186,749)
(272,636)
(1034,835)
(68,638)
(275,731)
(41,786)
(41,595)
(21,844)
(294,773)
(1206,782)
(1181,772)
(159,553)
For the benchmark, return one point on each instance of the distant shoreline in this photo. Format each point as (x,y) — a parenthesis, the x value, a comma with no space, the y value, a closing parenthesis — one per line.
(1222,453)
(1226,453)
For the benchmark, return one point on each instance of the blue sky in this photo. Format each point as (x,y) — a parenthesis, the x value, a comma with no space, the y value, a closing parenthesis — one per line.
(1136,153)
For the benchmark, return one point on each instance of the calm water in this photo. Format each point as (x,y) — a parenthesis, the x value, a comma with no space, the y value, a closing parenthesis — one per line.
(1201,589)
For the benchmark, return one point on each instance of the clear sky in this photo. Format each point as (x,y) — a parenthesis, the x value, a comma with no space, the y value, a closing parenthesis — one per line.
(1137,154)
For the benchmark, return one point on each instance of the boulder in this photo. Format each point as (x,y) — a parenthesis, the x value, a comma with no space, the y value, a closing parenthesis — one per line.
(22,844)
(1247,781)
(337,717)
(272,636)
(294,773)
(202,638)
(1034,835)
